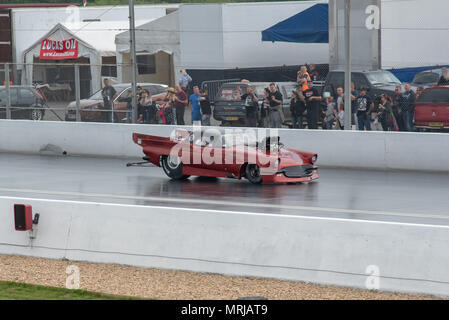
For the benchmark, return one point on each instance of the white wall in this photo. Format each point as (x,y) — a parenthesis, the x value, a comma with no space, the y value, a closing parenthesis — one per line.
(223,36)
(201,36)
(243,47)
(351,149)
(414,33)
(409,258)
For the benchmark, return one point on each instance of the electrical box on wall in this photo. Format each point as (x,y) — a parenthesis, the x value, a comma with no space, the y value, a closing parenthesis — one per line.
(23,217)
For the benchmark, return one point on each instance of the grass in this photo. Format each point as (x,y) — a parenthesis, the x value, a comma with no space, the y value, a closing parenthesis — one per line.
(21,291)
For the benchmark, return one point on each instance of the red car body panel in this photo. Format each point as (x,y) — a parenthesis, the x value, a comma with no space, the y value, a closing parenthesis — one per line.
(432,115)
(288,159)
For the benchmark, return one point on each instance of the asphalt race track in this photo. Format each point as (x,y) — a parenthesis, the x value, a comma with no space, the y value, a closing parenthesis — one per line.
(399,196)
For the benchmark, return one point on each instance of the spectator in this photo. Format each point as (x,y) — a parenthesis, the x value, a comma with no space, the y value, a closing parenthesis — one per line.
(331,111)
(398,101)
(147,107)
(205,109)
(374,117)
(251,103)
(194,104)
(354,94)
(409,98)
(385,114)
(166,112)
(444,79)
(276,114)
(303,78)
(109,94)
(297,108)
(340,97)
(180,104)
(419,91)
(341,116)
(139,92)
(314,75)
(265,111)
(313,106)
(363,105)
(184,80)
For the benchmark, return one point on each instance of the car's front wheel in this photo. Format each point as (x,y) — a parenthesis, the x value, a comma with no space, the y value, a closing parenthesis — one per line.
(37,114)
(252,173)
(172,167)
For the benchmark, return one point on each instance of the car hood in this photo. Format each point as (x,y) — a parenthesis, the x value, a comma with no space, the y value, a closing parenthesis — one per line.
(84,103)
(392,87)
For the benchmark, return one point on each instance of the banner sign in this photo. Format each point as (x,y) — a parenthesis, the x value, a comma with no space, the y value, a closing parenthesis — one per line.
(59,49)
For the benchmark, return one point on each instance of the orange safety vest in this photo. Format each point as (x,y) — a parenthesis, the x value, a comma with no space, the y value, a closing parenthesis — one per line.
(305,85)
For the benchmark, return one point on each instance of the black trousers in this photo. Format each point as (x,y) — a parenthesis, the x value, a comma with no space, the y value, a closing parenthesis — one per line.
(312,118)
(180,115)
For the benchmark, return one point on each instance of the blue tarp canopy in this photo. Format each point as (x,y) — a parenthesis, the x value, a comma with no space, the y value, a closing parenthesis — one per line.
(308,26)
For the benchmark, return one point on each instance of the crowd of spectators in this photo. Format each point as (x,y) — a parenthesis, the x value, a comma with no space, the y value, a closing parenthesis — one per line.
(307,107)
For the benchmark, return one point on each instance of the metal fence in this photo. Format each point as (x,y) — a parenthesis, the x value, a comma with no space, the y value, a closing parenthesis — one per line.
(70,91)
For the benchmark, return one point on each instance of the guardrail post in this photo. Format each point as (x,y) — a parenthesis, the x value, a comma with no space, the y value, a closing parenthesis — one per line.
(77,92)
(8,92)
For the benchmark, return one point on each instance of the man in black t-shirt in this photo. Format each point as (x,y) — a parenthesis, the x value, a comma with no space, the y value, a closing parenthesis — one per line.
(251,103)
(363,106)
(313,105)
(109,94)
(276,114)
(205,108)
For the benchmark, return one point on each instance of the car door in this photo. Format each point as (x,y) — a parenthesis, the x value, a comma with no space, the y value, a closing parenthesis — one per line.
(3,104)
(336,79)
(4,101)
(25,101)
(286,97)
(121,106)
(360,81)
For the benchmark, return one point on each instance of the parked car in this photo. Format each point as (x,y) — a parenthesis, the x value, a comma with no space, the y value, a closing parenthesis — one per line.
(26,103)
(432,109)
(231,111)
(92,106)
(427,78)
(377,82)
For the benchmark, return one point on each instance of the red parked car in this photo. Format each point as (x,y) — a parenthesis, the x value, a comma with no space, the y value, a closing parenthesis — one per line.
(432,109)
(228,156)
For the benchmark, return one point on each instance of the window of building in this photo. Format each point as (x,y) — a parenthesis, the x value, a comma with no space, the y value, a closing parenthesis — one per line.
(146,63)
(109,67)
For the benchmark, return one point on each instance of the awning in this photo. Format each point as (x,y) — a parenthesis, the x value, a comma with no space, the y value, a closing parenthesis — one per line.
(308,26)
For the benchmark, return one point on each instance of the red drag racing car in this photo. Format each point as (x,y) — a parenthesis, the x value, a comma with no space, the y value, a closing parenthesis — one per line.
(228,156)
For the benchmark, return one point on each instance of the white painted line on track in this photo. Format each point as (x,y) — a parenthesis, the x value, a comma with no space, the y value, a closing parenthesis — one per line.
(226,203)
(256,214)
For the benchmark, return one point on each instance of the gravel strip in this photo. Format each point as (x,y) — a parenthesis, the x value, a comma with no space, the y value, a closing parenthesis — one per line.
(170,284)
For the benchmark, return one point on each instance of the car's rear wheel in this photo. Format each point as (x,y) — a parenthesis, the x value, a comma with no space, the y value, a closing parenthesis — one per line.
(252,173)
(37,114)
(172,167)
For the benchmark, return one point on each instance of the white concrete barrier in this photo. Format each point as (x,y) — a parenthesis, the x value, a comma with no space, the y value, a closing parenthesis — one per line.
(388,256)
(354,149)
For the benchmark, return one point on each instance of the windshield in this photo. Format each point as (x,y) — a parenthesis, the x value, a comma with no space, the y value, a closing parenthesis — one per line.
(434,96)
(383,77)
(426,77)
(97,95)
(229,93)
(288,90)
